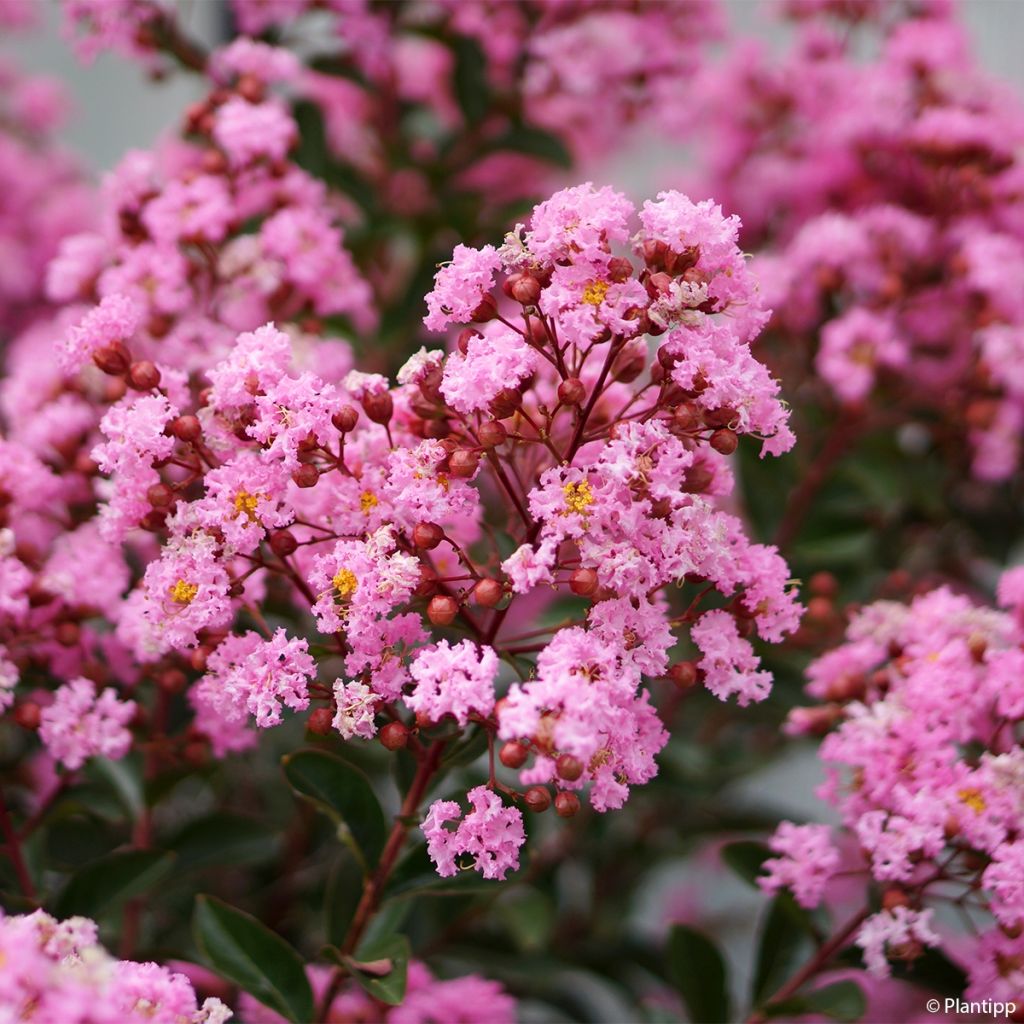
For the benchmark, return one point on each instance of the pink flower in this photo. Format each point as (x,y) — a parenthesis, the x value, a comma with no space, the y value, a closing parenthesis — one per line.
(79,724)
(808,860)
(115,319)
(491,834)
(890,929)
(453,681)
(466,1000)
(460,286)
(496,359)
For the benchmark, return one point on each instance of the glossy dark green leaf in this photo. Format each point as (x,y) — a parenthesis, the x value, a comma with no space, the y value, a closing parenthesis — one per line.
(745,858)
(249,954)
(843,1001)
(342,895)
(222,839)
(469,78)
(698,972)
(343,792)
(111,880)
(388,988)
(782,946)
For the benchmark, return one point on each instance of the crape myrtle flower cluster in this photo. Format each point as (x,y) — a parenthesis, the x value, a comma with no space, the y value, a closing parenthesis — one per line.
(58,971)
(592,404)
(883,197)
(922,705)
(45,194)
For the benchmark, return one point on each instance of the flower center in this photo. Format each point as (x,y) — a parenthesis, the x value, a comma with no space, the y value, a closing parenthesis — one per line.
(246,504)
(595,292)
(367,501)
(345,582)
(974,799)
(183,592)
(578,497)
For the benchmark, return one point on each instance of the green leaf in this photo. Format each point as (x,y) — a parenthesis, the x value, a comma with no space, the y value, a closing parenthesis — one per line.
(745,858)
(247,953)
(843,1001)
(388,988)
(469,79)
(222,839)
(697,970)
(342,895)
(111,880)
(124,777)
(535,142)
(344,793)
(529,917)
(785,932)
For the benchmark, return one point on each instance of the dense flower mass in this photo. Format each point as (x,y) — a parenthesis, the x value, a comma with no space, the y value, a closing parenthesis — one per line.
(884,197)
(58,971)
(923,705)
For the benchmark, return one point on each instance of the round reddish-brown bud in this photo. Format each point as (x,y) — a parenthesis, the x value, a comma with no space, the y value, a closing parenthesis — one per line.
(186,428)
(160,496)
(379,406)
(524,288)
(572,391)
(537,798)
(487,593)
(68,634)
(214,161)
(505,403)
(583,582)
(345,419)
(683,674)
(820,609)
(685,417)
(143,376)
(154,520)
(197,659)
(629,365)
(250,88)
(320,721)
(492,433)
(442,610)
(823,583)
(283,543)
(514,754)
(85,464)
(306,476)
(463,463)
(569,767)
(567,804)
(27,714)
(724,441)
(394,736)
(466,335)
(427,535)
(113,359)
(620,269)
(172,680)
(720,417)
(486,310)
(893,898)
(428,581)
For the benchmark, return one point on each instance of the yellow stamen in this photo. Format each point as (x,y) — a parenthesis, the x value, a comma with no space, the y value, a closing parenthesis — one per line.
(973,798)
(345,582)
(183,592)
(595,292)
(246,505)
(578,497)
(367,501)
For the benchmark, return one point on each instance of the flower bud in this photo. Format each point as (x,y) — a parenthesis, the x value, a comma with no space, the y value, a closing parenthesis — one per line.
(464,338)
(172,680)
(572,391)
(537,798)
(583,582)
(524,288)
(379,407)
(113,359)
(653,252)
(721,417)
(486,310)
(492,433)
(684,674)
(442,610)
(143,376)
(487,593)
(345,419)
(569,767)
(28,714)
(620,269)
(154,520)
(893,898)
(68,634)
(514,754)
(628,365)
(463,463)
(567,804)
(823,583)
(160,496)
(724,441)
(428,581)
(283,543)
(306,476)
(394,736)
(197,659)
(320,721)
(427,535)
(505,403)
(186,428)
